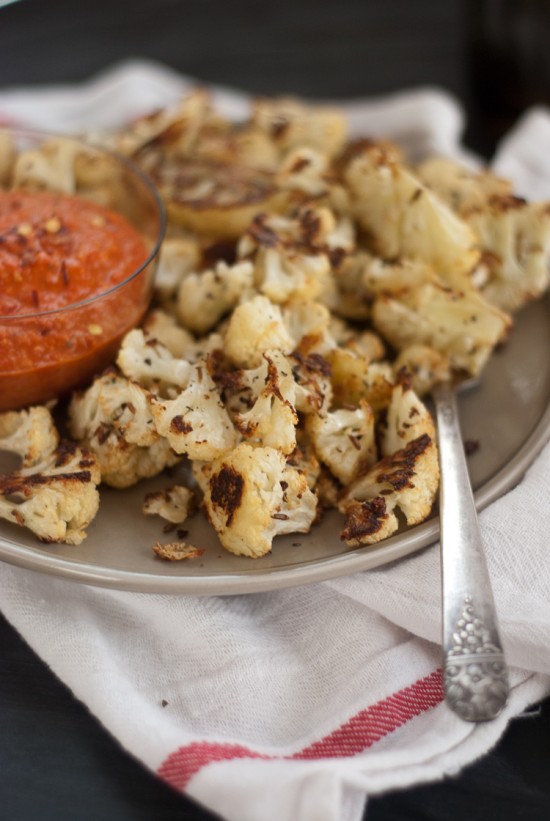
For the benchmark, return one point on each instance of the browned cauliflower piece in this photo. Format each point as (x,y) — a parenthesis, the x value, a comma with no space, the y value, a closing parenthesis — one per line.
(344,440)
(514,235)
(405,218)
(173,503)
(406,478)
(460,325)
(291,123)
(290,254)
(143,359)
(178,257)
(29,433)
(256,326)
(426,366)
(204,298)
(195,422)
(271,419)
(354,377)
(113,418)
(251,496)
(54,494)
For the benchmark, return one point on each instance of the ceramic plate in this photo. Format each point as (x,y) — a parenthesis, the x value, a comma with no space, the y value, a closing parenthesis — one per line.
(508,414)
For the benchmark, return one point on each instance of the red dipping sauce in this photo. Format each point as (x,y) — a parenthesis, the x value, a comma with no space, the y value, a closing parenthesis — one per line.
(70,288)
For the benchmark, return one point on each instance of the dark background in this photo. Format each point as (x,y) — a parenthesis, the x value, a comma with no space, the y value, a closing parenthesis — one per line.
(56,762)
(493,54)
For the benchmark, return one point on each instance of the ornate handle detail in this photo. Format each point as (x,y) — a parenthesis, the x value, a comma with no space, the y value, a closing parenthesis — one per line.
(475,673)
(475,676)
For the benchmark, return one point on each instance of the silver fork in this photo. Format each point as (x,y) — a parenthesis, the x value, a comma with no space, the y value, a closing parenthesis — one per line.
(475,672)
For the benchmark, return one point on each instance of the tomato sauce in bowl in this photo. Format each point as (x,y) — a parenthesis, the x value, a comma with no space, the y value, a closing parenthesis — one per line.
(75,276)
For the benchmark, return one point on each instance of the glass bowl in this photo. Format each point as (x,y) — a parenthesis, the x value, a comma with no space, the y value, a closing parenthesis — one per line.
(45,351)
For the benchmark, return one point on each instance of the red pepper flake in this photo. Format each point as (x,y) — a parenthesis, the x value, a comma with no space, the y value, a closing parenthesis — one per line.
(64,273)
(35,298)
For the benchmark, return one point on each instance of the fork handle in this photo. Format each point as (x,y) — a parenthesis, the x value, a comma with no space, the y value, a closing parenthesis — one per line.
(475,673)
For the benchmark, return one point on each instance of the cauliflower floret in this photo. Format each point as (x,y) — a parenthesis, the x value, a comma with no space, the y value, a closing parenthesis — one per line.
(164,327)
(514,235)
(49,167)
(426,367)
(354,378)
(313,387)
(304,170)
(350,298)
(203,298)
(291,123)
(172,129)
(255,327)
(404,218)
(407,477)
(195,422)
(179,256)
(309,326)
(289,253)
(305,460)
(459,325)
(145,360)
(272,419)
(54,493)
(174,503)
(251,496)
(344,440)
(113,418)
(462,188)
(29,433)
(515,238)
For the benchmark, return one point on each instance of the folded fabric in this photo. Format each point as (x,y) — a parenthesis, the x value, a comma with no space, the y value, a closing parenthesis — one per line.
(298,703)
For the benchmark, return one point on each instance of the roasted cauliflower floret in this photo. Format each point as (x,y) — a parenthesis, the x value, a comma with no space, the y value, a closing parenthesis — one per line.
(255,326)
(354,377)
(251,496)
(406,478)
(349,297)
(304,171)
(313,387)
(344,440)
(145,360)
(405,218)
(426,367)
(289,253)
(49,167)
(54,493)
(291,123)
(164,327)
(212,198)
(514,236)
(173,129)
(460,325)
(113,418)
(195,422)
(205,297)
(272,419)
(179,256)
(173,503)
(462,188)
(309,326)
(30,434)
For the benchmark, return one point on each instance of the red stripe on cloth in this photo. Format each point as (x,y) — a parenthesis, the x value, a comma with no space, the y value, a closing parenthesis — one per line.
(356,735)
(375,722)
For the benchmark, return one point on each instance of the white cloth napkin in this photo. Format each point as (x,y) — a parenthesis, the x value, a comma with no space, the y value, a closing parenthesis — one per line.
(300,703)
